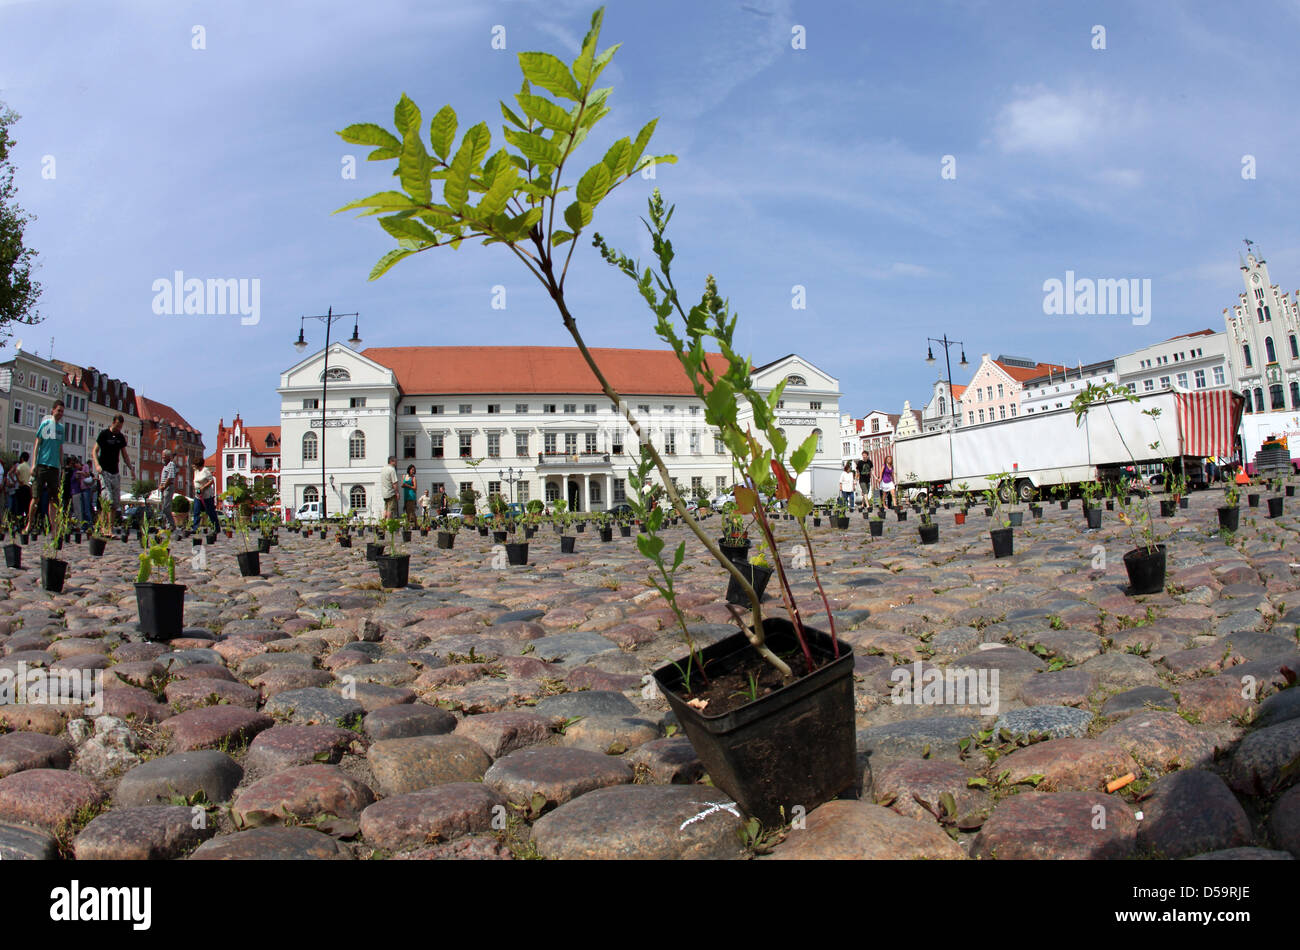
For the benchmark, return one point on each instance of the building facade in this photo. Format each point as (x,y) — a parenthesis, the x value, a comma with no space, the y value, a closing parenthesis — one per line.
(1262,346)
(938,413)
(994,391)
(32,384)
(522,422)
(104,398)
(1188,362)
(1058,390)
(162,427)
(252,452)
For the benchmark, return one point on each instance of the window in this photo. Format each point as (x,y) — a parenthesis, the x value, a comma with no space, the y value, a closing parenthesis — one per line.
(1182,380)
(1148,385)
(435,410)
(552,491)
(548,407)
(466,408)
(309,443)
(408,446)
(981,415)
(357,445)
(548,443)
(814,405)
(494,445)
(465,487)
(570,408)
(1295,395)
(795,380)
(18,413)
(1013,410)
(29,416)
(780,404)
(620,490)
(979,395)
(943,407)
(697,486)
(1132,387)
(1275,396)
(720,484)
(521,444)
(494,488)
(570,443)
(589,443)
(1002,412)
(972,418)
(1269,353)
(357,498)
(1200,379)
(408,410)
(435,441)
(1247,395)
(310,494)
(230,461)
(1000,394)
(670,443)
(643,410)
(990,389)
(719,447)
(589,408)
(695,410)
(494,408)
(1259,399)
(45,384)
(1245,352)
(522,489)
(593,489)
(875,424)
(311,403)
(694,438)
(616,446)
(1164,381)
(357,402)
(467,445)
(1218,376)
(521,408)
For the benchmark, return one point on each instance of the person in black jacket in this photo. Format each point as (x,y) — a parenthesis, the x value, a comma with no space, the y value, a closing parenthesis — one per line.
(864,478)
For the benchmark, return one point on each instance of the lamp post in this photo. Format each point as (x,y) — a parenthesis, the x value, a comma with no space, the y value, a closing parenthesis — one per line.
(511,476)
(301,344)
(929,358)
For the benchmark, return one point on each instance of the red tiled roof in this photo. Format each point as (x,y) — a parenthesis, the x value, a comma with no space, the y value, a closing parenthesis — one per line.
(257,438)
(1023,373)
(957,391)
(534,369)
(1183,336)
(153,410)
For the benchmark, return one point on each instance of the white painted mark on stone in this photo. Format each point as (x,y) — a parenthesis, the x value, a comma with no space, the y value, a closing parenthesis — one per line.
(712,809)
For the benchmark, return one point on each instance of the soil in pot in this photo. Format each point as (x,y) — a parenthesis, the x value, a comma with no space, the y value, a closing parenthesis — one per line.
(1146,570)
(250,563)
(762,752)
(517,554)
(53,574)
(1003,542)
(758,578)
(1229,517)
(929,533)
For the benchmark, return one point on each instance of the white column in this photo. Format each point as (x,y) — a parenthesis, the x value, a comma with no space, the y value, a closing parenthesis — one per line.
(586,491)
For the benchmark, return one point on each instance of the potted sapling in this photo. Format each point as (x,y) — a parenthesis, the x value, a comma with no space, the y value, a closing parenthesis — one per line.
(517,543)
(603,526)
(877,523)
(1091,508)
(734,542)
(758,569)
(161,606)
(928,530)
(1002,537)
(563,520)
(447,532)
(1229,513)
(13,550)
(394,568)
(54,570)
(249,556)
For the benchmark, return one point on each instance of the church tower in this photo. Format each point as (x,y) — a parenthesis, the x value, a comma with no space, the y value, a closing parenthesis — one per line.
(1262,340)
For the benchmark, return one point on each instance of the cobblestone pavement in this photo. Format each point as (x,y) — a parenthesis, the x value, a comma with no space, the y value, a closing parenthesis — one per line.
(489,713)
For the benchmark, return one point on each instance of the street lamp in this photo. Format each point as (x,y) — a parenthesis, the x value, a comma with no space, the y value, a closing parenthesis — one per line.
(511,475)
(929,358)
(300,344)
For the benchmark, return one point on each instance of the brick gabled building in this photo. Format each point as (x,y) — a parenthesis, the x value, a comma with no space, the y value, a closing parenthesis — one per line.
(250,451)
(162,427)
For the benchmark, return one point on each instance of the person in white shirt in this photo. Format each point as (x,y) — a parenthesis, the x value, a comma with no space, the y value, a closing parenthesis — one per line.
(388,487)
(847,484)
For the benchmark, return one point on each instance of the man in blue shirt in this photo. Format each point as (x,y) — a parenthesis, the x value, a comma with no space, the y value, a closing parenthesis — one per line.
(49,463)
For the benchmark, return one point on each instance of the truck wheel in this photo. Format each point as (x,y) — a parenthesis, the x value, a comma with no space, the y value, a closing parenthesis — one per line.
(1004,494)
(1026,490)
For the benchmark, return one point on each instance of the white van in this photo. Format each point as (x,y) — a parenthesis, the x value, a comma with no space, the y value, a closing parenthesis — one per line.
(308,511)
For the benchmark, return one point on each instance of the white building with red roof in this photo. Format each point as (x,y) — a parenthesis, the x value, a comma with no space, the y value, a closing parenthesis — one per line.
(250,452)
(524,422)
(994,391)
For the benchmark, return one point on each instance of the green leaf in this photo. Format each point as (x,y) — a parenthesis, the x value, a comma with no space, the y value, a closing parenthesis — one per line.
(577,215)
(549,72)
(442,131)
(679,555)
(601,62)
(408,228)
(538,150)
(593,185)
(406,115)
(799,505)
(582,65)
(559,237)
(977,783)
(472,149)
(388,260)
(494,202)
(367,133)
(546,112)
(639,146)
(804,455)
(381,201)
(511,117)
(414,166)
(616,158)
(649,546)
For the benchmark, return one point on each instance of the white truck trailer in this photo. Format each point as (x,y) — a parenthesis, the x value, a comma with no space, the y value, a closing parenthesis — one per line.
(1048,448)
(1258,426)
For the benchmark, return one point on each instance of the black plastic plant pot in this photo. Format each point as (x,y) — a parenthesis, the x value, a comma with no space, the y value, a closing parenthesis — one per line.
(842,523)
(607,534)
(250,563)
(1252,501)
(877,528)
(1065,504)
(446,540)
(1167,509)
(793,747)
(817,522)
(394,569)
(345,542)
(988,511)
(13,555)
(1110,504)
(566,543)
(580,527)
(406,534)
(517,554)
(758,578)
(482,531)
(1036,511)
(97,546)
(1094,518)
(196,542)
(53,574)
(264,545)
(901,514)
(424,532)
(1003,542)
(1182,502)
(734,552)
(1275,507)
(1290,491)
(1229,518)
(499,537)
(1016,518)
(625,530)
(1146,570)
(529,531)
(929,533)
(162,610)
(25,538)
(374,551)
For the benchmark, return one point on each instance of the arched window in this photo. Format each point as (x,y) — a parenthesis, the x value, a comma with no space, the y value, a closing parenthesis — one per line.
(1259,399)
(310,493)
(309,443)
(795,381)
(1295,350)
(337,374)
(1295,395)
(1247,395)
(943,406)
(1245,352)
(1275,396)
(357,446)
(818,433)
(1268,349)
(357,498)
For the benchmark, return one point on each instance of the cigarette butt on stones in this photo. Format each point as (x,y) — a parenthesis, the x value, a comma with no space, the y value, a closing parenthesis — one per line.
(1120,782)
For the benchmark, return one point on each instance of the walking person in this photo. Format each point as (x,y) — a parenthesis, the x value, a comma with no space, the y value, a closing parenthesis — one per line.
(388,487)
(441,502)
(864,478)
(205,494)
(85,482)
(167,488)
(408,495)
(23,493)
(110,446)
(424,506)
(11,487)
(887,497)
(846,485)
(49,463)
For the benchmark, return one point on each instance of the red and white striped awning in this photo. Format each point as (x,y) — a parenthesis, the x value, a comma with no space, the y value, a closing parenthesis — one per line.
(1208,422)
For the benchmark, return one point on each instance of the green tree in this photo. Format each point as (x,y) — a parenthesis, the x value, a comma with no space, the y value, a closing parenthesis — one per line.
(18,292)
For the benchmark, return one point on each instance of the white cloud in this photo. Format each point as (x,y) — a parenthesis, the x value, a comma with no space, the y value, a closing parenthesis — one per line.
(1040,120)
(1122,177)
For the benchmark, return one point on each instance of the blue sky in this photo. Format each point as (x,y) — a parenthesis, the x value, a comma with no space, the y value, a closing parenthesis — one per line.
(819,167)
